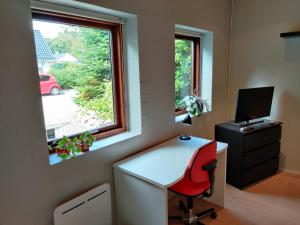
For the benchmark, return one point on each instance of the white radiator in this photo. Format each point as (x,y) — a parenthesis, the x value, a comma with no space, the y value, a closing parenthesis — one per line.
(90,208)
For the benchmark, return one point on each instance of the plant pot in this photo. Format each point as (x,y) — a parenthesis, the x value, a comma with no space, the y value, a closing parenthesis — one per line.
(61,151)
(52,148)
(85,148)
(52,151)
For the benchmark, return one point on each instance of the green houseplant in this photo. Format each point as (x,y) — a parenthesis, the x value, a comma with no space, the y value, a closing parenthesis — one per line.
(195,105)
(65,147)
(68,147)
(86,140)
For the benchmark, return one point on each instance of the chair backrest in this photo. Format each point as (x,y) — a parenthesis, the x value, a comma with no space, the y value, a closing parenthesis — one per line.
(204,156)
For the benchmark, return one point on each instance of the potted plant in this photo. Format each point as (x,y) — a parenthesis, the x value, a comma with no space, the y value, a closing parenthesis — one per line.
(51,149)
(195,105)
(73,147)
(65,147)
(86,140)
(61,147)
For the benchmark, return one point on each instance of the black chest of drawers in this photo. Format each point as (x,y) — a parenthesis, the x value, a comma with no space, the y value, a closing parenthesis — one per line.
(252,154)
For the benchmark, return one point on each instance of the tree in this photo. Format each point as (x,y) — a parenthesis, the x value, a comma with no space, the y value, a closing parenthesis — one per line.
(183,70)
(92,76)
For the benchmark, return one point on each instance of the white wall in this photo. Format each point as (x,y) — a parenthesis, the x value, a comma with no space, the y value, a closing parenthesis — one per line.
(261,58)
(30,188)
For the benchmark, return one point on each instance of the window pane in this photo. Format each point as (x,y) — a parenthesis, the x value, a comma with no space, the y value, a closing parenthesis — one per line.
(44,78)
(183,70)
(78,96)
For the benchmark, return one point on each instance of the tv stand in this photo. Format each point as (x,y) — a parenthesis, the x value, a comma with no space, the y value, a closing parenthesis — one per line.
(253,150)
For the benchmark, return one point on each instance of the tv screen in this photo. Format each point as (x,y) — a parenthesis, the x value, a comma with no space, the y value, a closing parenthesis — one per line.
(253,103)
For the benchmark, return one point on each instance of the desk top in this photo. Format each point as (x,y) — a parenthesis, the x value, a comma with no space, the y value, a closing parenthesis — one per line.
(164,164)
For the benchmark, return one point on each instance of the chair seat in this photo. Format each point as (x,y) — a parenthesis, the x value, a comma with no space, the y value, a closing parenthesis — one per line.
(188,188)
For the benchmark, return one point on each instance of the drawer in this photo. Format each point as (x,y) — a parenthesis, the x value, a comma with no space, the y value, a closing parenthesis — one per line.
(260,155)
(261,138)
(261,171)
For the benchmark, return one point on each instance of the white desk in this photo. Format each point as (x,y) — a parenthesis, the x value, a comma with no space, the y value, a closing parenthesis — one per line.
(142,180)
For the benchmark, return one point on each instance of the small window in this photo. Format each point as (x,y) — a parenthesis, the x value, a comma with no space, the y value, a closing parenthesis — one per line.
(44,78)
(187,71)
(81,59)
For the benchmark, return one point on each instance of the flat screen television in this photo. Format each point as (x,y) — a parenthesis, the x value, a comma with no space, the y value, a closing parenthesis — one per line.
(253,103)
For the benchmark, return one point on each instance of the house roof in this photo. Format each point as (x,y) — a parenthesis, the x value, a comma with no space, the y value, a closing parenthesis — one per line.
(65,57)
(43,52)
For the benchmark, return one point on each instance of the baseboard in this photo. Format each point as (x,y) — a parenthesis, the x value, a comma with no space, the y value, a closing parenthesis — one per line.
(295,172)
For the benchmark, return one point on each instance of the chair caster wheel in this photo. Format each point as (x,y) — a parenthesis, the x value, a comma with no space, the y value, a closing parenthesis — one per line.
(213,215)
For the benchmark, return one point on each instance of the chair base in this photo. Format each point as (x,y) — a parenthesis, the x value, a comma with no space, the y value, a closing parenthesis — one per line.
(190,217)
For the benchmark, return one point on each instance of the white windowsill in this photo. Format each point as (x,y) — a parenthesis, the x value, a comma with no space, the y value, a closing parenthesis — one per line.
(98,145)
(180,118)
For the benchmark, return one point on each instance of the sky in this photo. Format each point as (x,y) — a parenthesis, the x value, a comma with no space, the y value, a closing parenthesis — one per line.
(48,29)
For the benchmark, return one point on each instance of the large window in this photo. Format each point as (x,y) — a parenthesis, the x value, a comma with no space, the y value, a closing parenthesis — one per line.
(80,71)
(187,71)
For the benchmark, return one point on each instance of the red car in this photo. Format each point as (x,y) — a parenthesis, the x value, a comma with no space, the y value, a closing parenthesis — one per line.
(49,85)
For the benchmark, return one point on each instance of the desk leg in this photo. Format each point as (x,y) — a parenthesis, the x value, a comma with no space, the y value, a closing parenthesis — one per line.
(218,197)
(139,202)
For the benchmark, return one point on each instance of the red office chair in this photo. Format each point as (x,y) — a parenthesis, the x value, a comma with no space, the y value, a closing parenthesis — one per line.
(198,181)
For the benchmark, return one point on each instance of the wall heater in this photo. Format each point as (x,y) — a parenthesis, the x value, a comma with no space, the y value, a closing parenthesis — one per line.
(90,208)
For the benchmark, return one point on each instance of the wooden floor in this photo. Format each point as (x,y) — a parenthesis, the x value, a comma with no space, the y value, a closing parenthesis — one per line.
(273,201)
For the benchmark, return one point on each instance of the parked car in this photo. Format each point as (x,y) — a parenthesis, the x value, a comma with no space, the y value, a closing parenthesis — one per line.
(49,85)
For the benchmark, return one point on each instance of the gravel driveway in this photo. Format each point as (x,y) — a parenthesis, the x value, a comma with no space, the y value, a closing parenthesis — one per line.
(59,109)
(66,117)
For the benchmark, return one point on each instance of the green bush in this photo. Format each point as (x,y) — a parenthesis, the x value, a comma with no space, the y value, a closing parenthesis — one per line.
(66,74)
(102,104)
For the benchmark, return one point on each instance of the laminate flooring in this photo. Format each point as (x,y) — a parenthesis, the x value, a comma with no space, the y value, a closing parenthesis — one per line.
(272,201)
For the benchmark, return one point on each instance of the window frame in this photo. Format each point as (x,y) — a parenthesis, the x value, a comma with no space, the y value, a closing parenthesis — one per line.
(117,66)
(196,66)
